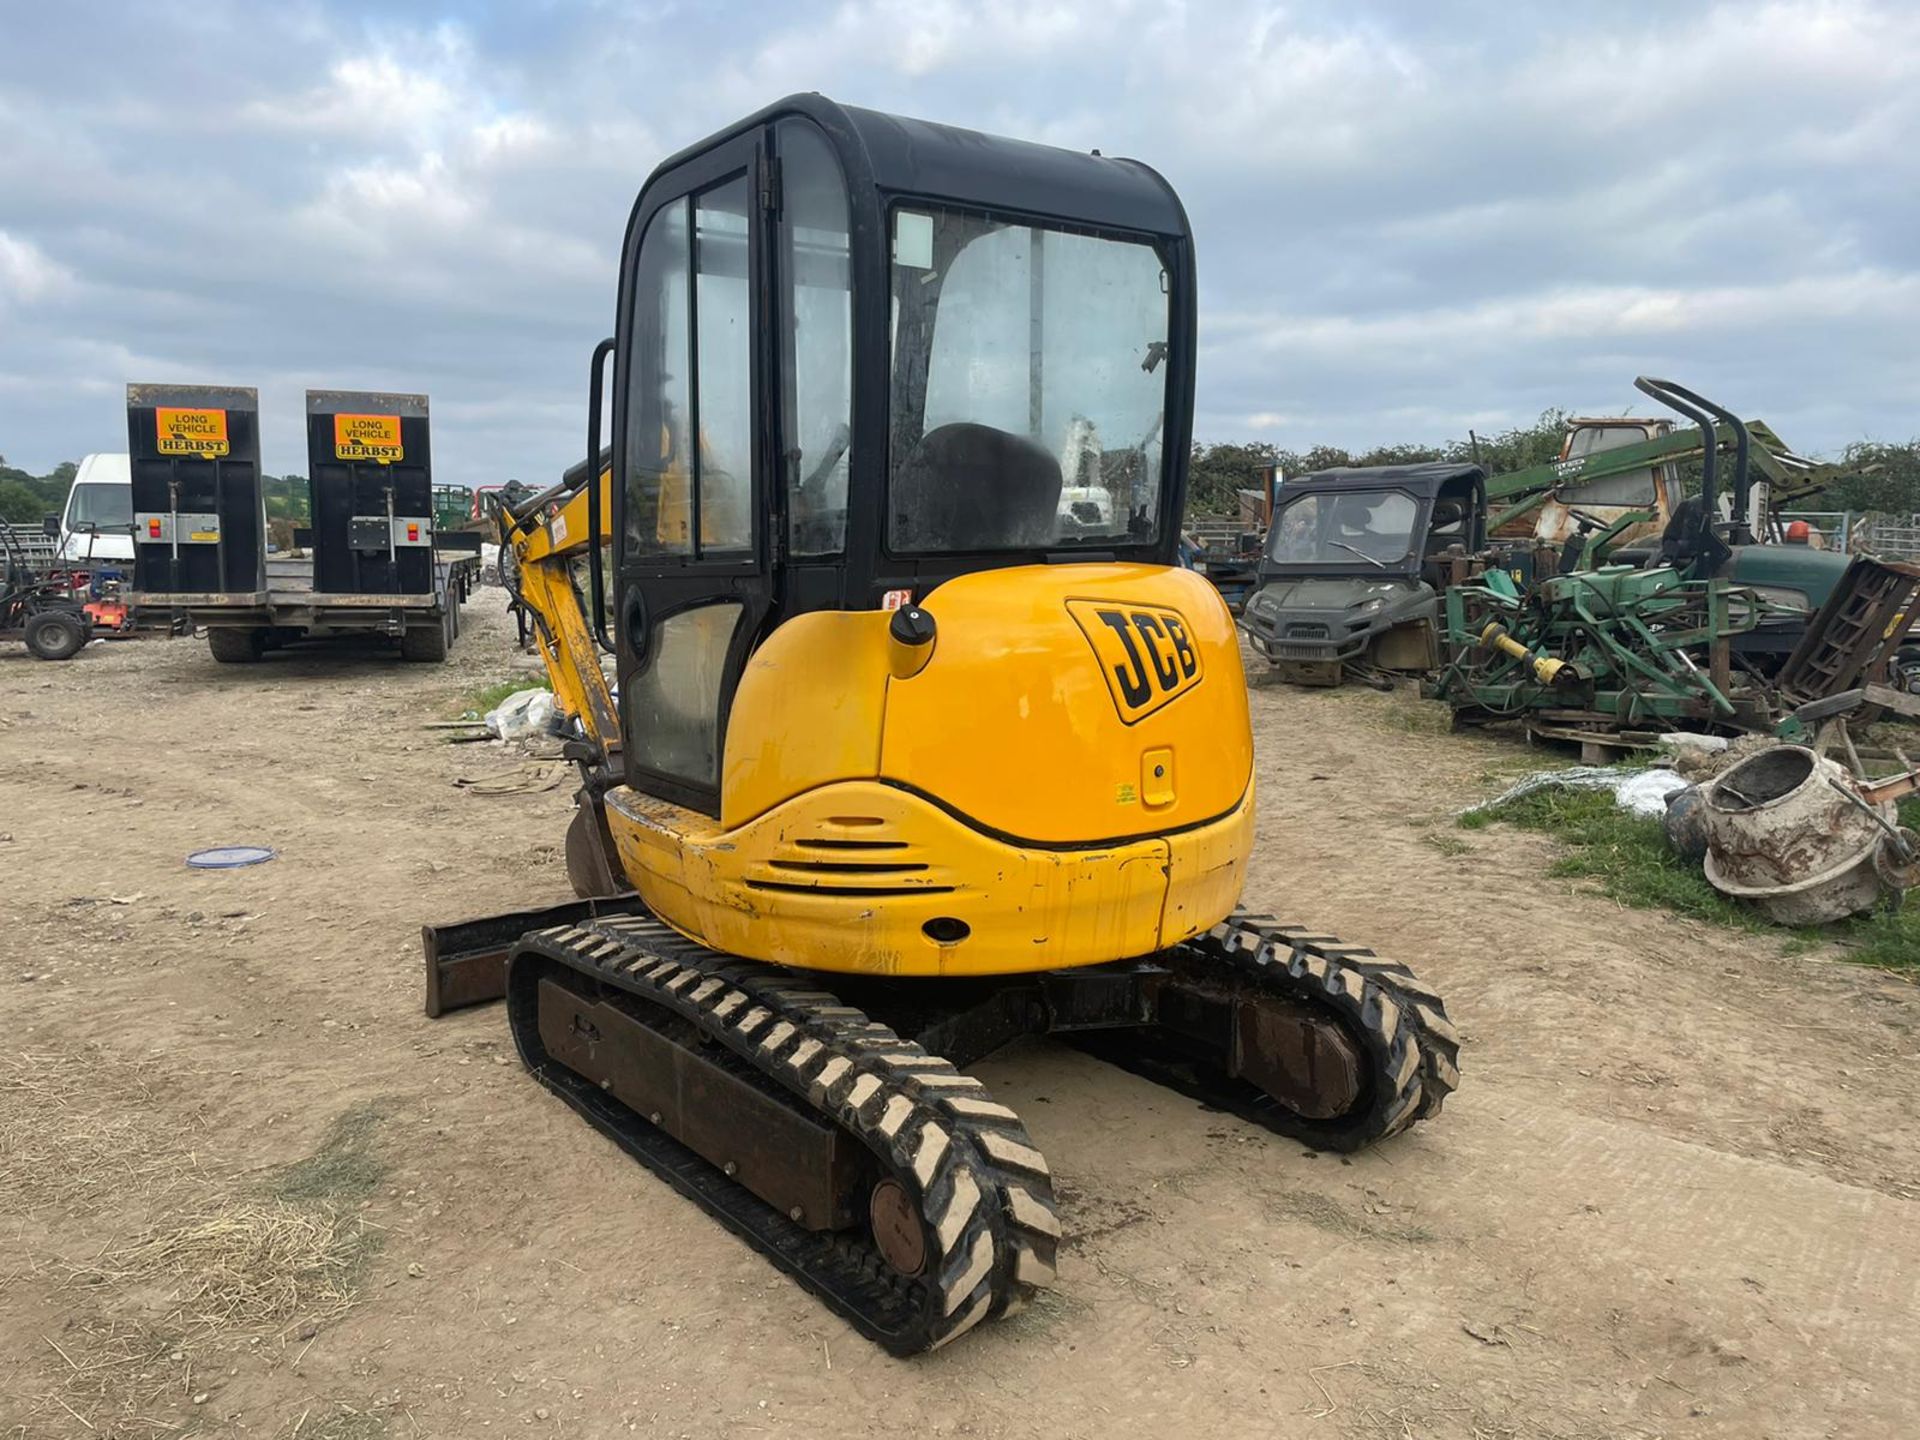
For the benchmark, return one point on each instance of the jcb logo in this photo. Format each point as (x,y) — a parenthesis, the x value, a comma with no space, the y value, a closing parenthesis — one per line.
(1145,651)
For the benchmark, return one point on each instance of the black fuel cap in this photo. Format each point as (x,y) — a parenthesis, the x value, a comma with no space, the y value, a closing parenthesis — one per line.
(911,626)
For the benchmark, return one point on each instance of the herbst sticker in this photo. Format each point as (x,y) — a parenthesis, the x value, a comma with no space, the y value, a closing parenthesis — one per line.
(180,431)
(367,437)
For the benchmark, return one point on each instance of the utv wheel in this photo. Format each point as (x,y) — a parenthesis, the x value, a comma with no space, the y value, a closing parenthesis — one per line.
(55,634)
(424,643)
(237,647)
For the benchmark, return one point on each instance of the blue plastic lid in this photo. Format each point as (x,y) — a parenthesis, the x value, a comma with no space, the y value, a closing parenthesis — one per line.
(229,857)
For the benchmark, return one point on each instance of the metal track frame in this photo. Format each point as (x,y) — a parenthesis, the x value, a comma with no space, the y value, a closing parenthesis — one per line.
(976,1194)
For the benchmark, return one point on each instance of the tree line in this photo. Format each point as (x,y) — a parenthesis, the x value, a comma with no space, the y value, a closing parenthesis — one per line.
(27,499)
(1884,478)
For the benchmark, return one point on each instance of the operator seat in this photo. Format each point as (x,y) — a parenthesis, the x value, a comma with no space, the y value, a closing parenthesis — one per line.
(1677,545)
(974,487)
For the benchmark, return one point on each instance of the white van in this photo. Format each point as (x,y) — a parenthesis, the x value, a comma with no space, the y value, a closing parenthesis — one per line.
(97,525)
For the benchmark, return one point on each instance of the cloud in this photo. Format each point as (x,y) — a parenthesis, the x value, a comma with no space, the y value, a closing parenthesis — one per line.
(1410,218)
(27,275)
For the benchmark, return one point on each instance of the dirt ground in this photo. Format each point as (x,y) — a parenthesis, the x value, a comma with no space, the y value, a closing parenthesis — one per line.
(246,1188)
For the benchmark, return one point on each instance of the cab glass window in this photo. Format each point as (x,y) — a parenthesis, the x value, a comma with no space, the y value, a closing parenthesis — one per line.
(104,507)
(673,703)
(1337,528)
(689,480)
(723,398)
(816,339)
(1635,487)
(1029,385)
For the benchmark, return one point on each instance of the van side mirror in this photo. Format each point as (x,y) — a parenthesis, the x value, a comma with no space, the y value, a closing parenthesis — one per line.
(50,527)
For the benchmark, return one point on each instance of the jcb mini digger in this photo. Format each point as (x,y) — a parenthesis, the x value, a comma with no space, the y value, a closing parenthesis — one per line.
(909,757)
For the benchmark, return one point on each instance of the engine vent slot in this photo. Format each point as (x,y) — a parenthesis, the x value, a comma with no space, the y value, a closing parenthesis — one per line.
(852,867)
(789,887)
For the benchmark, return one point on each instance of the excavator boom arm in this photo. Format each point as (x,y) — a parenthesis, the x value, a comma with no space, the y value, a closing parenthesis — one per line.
(545,536)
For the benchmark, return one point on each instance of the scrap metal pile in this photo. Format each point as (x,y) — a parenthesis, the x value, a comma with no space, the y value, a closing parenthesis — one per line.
(1718,631)
(1356,559)
(1615,656)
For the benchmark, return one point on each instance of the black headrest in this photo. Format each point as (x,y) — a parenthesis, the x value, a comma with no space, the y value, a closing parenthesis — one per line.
(973,487)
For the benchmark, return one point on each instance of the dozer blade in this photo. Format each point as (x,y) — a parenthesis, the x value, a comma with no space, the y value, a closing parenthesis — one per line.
(467,960)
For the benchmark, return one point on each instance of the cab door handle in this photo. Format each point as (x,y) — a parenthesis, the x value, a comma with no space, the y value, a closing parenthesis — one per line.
(633,623)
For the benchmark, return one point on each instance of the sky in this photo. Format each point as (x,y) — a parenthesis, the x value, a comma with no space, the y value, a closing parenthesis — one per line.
(1410,219)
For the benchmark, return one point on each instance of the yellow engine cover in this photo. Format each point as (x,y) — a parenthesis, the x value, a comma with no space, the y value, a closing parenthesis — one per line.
(1067,780)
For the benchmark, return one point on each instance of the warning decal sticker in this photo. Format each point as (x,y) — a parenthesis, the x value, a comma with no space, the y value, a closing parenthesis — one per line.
(367,437)
(180,431)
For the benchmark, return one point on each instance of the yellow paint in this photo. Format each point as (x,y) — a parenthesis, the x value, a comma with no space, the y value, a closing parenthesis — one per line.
(1003,784)
(1144,653)
(368,437)
(758,890)
(1156,777)
(1014,723)
(1544,667)
(1011,721)
(182,431)
(543,549)
(809,711)
(1007,780)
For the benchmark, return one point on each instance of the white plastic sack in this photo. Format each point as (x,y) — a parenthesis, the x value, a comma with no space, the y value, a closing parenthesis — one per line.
(524,713)
(1646,793)
(1642,792)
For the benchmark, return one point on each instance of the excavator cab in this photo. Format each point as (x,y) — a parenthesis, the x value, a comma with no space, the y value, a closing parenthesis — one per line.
(859,356)
(912,703)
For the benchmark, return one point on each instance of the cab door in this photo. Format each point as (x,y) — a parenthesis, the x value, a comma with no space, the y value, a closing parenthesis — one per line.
(693,572)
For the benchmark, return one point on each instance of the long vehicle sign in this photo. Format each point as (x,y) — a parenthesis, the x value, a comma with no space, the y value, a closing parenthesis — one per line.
(368,437)
(180,431)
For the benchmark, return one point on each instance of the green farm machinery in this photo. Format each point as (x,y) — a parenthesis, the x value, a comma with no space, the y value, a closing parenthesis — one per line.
(1618,481)
(1713,630)
(1351,578)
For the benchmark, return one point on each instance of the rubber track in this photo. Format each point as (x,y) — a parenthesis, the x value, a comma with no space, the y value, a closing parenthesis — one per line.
(1400,1021)
(983,1189)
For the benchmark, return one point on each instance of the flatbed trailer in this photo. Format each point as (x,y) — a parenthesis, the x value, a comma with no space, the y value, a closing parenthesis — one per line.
(242,626)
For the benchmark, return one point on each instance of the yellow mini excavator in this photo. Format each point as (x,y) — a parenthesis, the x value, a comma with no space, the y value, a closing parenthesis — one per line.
(918,740)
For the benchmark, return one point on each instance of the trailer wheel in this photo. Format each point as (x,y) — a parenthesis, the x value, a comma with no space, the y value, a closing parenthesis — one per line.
(236,647)
(55,634)
(424,643)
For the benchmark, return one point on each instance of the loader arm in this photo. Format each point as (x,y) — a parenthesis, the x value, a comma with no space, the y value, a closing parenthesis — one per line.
(1789,479)
(545,535)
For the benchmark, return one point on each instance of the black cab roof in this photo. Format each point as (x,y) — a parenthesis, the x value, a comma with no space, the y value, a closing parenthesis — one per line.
(902,155)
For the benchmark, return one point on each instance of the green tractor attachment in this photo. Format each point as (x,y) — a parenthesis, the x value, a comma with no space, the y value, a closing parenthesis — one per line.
(1718,633)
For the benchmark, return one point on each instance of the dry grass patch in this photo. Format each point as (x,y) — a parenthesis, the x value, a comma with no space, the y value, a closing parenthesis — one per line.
(112,1374)
(75,1133)
(246,1265)
(185,1283)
